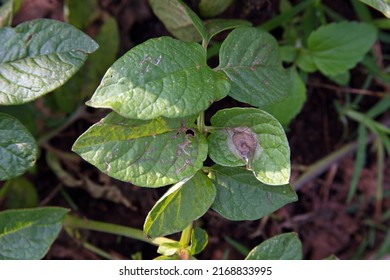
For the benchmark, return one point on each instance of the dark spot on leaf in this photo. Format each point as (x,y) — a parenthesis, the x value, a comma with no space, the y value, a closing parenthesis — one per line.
(245,143)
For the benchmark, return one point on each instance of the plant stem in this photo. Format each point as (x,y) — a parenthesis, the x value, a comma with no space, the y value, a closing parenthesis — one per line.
(73,222)
(98,251)
(379,181)
(72,118)
(201,124)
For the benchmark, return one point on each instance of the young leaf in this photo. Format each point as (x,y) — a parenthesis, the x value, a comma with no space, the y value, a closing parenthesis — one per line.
(199,240)
(254,138)
(168,249)
(179,19)
(147,153)
(28,234)
(286,110)
(183,203)
(161,77)
(18,149)
(39,56)
(211,8)
(250,58)
(286,246)
(338,47)
(240,196)
(380,5)
(5,13)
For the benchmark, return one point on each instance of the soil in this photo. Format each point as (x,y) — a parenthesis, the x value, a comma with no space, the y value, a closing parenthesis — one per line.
(326,224)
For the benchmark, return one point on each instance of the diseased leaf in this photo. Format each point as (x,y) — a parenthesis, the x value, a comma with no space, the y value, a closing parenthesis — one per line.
(183,203)
(286,246)
(250,58)
(18,149)
(38,56)
(381,5)
(179,19)
(147,153)
(28,234)
(161,77)
(240,196)
(211,8)
(337,47)
(254,138)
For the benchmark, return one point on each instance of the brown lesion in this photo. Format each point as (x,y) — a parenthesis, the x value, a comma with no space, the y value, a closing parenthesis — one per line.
(245,142)
(183,147)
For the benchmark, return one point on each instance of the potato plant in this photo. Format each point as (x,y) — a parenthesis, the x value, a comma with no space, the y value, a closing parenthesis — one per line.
(157,135)
(236,164)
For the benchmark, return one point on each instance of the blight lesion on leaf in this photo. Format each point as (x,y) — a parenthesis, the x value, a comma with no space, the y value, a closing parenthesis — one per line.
(244,143)
(251,137)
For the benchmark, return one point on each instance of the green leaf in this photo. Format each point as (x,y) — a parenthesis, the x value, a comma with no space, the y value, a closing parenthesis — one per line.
(381,5)
(288,53)
(183,203)
(305,61)
(286,110)
(20,193)
(337,47)
(240,196)
(286,246)
(27,114)
(250,58)
(5,12)
(147,153)
(38,56)
(18,149)
(254,138)
(216,26)
(28,234)
(341,79)
(82,85)
(211,8)
(81,13)
(179,19)
(161,77)
(199,240)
